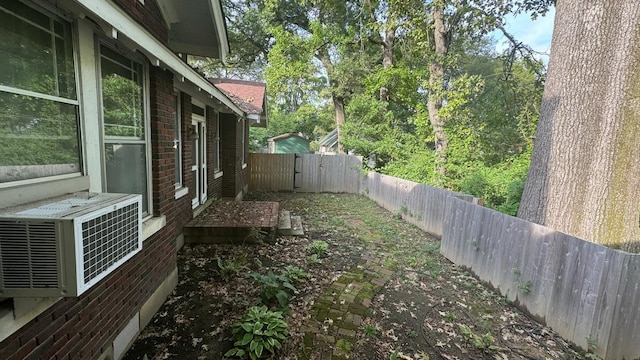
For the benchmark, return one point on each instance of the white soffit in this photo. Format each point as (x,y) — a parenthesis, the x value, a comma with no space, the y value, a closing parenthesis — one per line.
(116,18)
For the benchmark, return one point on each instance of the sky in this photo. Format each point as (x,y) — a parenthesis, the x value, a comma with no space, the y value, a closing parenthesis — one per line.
(536,34)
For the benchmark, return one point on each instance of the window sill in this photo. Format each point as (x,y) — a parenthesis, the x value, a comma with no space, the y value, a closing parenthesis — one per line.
(244,166)
(152,226)
(218,175)
(180,192)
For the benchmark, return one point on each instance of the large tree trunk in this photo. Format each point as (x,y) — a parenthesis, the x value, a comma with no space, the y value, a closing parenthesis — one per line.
(584,177)
(338,101)
(436,85)
(387,54)
(338,105)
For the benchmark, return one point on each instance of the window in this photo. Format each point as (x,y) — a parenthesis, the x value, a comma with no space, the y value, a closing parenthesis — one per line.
(125,126)
(177,140)
(39,132)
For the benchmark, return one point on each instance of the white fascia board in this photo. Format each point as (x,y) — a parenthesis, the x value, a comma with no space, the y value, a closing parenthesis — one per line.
(152,48)
(218,19)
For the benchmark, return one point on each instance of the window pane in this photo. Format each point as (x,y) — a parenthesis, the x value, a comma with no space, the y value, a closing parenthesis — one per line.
(32,56)
(122,97)
(126,170)
(37,138)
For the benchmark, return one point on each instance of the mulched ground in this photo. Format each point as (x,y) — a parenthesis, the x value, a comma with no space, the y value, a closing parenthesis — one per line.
(381,289)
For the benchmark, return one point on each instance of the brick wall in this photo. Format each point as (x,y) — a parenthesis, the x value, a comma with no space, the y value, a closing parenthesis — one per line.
(187,152)
(214,189)
(84,327)
(148,15)
(230,153)
(231,132)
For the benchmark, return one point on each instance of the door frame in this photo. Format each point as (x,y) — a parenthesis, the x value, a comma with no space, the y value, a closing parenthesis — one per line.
(199,170)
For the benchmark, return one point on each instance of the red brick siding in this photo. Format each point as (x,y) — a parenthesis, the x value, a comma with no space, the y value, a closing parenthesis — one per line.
(162,134)
(84,327)
(231,133)
(148,15)
(183,208)
(214,186)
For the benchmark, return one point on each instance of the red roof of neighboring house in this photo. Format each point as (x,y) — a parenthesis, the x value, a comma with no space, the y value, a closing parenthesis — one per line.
(250,96)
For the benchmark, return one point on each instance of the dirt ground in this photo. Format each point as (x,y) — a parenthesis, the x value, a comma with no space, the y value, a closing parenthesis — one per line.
(427,308)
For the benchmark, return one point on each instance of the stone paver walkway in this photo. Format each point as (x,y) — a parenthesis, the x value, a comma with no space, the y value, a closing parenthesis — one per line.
(336,316)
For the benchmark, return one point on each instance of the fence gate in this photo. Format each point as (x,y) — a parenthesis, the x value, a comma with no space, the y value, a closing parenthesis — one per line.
(305,172)
(271,172)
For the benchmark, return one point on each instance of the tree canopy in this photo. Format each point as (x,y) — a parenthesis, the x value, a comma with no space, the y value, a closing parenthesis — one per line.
(417,85)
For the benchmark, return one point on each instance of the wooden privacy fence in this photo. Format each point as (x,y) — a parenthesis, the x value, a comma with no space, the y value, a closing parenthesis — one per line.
(271,172)
(584,291)
(305,173)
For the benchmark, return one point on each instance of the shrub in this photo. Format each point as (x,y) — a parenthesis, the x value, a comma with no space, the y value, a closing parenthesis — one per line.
(259,330)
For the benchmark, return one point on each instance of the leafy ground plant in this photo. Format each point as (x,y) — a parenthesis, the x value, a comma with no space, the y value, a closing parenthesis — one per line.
(295,274)
(317,247)
(274,287)
(258,331)
(230,268)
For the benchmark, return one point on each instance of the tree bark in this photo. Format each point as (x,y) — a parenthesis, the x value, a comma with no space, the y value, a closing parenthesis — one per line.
(387,54)
(436,87)
(338,101)
(584,178)
(338,105)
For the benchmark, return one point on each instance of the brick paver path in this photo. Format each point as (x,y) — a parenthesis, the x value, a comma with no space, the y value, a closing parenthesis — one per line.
(330,334)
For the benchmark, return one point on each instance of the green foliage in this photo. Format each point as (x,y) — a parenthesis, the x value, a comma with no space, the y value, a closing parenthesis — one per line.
(394,355)
(526,286)
(328,52)
(259,330)
(295,274)
(317,247)
(370,330)
(314,259)
(592,342)
(344,346)
(230,268)
(482,342)
(274,288)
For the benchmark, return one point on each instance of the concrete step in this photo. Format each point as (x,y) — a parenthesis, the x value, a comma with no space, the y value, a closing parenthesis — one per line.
(296,226)
(284,223)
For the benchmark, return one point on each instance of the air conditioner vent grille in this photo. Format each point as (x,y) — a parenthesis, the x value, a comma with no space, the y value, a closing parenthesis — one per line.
(28,254)
(108,238)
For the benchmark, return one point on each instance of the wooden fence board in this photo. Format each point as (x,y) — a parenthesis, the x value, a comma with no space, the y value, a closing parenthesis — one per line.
(571,284)
(313,172)
(271,172)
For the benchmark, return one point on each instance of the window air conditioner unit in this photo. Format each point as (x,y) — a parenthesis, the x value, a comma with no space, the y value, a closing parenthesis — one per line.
(63,246)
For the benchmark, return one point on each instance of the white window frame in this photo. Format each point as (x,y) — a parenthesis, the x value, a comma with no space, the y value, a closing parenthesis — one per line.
(146,118)
(216,146)
(12,90)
